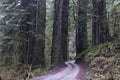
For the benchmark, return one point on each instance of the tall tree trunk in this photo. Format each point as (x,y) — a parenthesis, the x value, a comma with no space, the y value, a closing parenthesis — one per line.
(32,26)
(56,56)
(106,24)
(100,29)
(95,27)
(64,41)
(27,30)
(40,33)
(81,29)
(102,14)
(24,28)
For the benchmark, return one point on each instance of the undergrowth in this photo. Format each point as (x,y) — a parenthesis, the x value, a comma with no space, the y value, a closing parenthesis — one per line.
(22,72)
(41,71)
(103,61)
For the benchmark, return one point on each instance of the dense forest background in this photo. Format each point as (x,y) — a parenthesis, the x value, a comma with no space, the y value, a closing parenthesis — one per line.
(38,35)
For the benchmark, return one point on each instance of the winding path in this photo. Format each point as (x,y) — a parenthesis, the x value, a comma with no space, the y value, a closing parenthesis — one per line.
(71,72)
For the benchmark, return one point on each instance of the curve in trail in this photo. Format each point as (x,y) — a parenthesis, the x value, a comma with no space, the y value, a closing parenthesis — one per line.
(71,72)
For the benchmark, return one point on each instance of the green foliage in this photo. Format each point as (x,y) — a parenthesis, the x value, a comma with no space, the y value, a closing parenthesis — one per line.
(104,61)
(72,15)
(91,52)
(9,26)
(41,71)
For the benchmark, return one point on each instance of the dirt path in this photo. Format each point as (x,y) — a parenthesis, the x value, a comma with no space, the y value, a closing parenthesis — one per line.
(71,72)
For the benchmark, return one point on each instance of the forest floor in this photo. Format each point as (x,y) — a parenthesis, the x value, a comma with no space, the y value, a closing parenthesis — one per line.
(72,71)
(15,72)
(104,62)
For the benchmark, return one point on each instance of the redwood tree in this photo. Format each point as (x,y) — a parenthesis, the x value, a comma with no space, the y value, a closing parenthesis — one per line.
(81,29)
(24,29)
(56,55)
(39,57)
(32,32)
(64,37)
(100,28)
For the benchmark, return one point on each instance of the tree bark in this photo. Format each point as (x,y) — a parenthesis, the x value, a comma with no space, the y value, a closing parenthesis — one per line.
(56,55)
(27,34)
(100,29)
(95,27)
(24,29)
(81,29)
(39,58)
(64,41)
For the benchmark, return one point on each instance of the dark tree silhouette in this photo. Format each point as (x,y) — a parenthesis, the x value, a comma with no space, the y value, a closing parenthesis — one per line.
(56,55)
(24,29)
(100,30)
(81,29)
(40,33)
(32,32)
(64,41)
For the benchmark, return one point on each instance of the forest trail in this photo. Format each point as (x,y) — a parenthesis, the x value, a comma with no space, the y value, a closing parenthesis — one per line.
(71,72)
